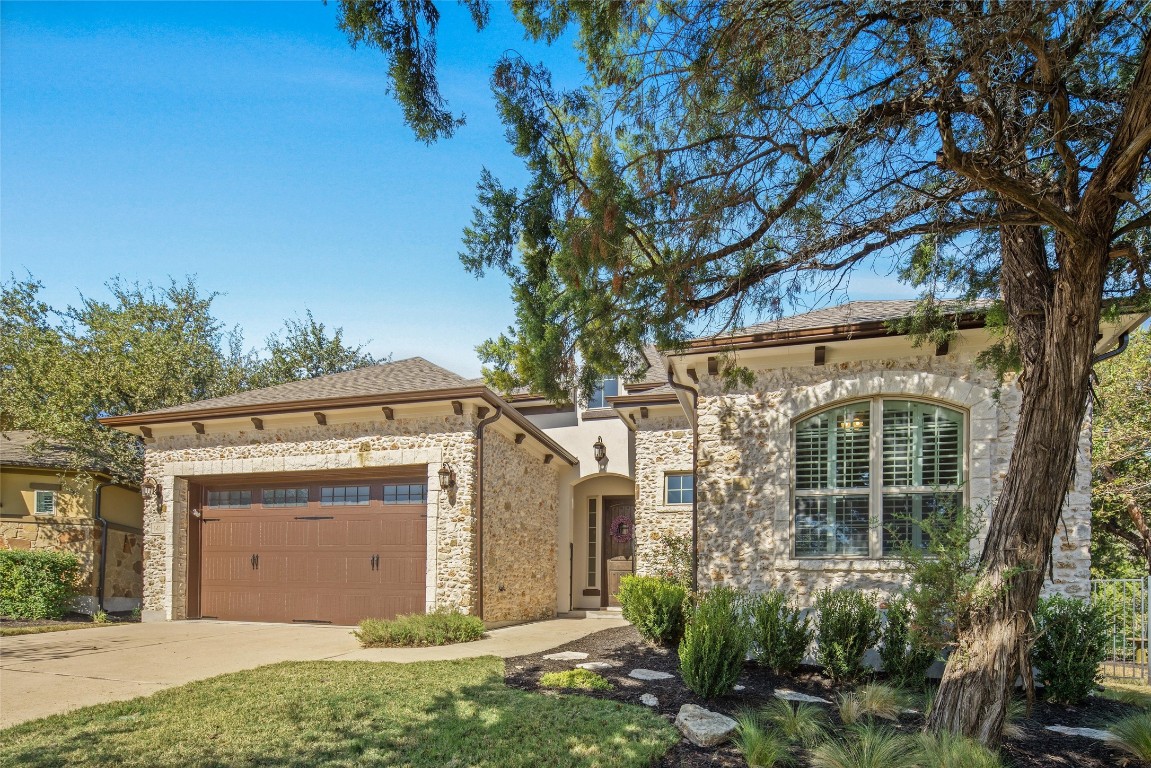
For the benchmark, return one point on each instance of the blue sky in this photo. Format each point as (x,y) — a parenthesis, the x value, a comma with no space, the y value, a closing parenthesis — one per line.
(249,145)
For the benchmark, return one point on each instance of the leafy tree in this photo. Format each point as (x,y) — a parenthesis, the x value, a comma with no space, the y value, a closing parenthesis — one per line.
(1121,463)
(304,351)
(725,156)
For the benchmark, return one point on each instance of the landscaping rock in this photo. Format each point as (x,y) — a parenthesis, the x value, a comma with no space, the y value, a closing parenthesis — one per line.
(594,666)
(566,656)
(702,727)
(649,674)
(739,688)
(648,700)
(1087,733)
(784,693)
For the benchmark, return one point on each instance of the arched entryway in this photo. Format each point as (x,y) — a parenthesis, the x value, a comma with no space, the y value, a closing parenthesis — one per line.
(603,523)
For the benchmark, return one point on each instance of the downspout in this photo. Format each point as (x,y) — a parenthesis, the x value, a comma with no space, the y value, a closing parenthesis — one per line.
(694,464)
(103,538)
(1123,339)
(480,508)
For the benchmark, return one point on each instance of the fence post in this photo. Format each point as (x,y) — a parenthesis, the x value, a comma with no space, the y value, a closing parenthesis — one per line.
(1147,628)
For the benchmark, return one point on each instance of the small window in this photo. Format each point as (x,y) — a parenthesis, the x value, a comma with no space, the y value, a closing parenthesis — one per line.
(680,489)
(285,497)
(592,543)
(607,387)
(345,496)
(45,503)
(409,493)
(232,499)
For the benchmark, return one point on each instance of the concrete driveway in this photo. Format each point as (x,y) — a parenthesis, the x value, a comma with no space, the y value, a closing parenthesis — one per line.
(54,672)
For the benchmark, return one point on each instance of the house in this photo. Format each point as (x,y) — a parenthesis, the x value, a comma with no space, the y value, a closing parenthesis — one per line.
(404,487)
(48,500)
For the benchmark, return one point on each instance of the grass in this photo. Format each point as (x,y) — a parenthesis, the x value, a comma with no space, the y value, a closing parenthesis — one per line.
(946,750)
(867,746)
(41,628)
(874,700)
(342,713)
(420,629)
(582,679)
(1132,735)
(760,748)
(803,723)
(1133,692)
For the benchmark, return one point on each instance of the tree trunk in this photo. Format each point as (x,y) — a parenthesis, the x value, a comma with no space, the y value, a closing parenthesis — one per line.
(1055,319)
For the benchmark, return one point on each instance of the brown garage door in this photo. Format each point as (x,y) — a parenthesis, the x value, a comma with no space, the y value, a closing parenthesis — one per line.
(328,552)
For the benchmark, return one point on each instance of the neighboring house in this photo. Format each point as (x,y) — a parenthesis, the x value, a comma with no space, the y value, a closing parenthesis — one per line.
(404,487)
(48,502)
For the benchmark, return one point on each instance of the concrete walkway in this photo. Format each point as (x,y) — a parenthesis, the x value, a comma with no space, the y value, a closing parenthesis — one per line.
(54,672)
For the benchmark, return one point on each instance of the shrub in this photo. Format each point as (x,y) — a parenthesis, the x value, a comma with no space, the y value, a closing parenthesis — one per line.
(906,655)
(802,723)
(847,626)
(866,747)
(1070,644)
(583,679)
(873,700)
(655,606)
(676,558)
(780,633)
(714,644)
(420,629)
(946,750)
(1132,735)
(760,748)
(37,585)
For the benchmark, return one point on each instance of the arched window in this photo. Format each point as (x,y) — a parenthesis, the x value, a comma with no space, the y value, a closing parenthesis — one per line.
(867,473)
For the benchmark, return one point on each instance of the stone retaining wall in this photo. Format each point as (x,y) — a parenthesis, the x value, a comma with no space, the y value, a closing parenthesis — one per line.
(662,445)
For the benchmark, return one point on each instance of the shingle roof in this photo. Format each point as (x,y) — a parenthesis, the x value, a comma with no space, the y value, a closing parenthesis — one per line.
(414,374)
(18,447)
(851,313)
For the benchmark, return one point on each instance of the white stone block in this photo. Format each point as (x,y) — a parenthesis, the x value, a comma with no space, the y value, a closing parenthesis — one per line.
(703,727)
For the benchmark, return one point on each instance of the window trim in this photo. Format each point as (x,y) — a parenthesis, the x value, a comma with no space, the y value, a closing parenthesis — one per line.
(875,489)
(36,502)
(667,475)
(603,395)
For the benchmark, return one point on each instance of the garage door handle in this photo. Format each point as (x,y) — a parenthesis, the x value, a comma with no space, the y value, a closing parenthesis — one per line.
(255,562)
(375,562)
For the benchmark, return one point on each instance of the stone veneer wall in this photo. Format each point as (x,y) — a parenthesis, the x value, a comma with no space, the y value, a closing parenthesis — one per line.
(521,525)
(430,441)
(744,470)
(662,445)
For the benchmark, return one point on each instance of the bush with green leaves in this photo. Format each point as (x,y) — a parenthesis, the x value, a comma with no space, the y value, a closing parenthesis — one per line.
(655,606)
(580,679)
(847,625)
(1070,644)
(37,584)
(443,627)
(715,643)
(905,653)
(780,632)
(674,553)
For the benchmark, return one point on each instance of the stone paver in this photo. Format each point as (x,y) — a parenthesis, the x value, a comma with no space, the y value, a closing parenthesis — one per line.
(1087,733)
(649,674)
(55,672)
(648,700)
(784,693)
(595,666)
(566,656)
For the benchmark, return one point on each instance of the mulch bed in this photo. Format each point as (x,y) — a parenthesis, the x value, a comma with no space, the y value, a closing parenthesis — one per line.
(622,646)
(69,618)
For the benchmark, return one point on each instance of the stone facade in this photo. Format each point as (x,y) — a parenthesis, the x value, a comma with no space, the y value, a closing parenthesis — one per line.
(745,466)
(662,445)
(521,524)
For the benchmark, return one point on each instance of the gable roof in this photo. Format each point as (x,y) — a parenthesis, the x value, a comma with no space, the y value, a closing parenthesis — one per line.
(415,374)
(25,448)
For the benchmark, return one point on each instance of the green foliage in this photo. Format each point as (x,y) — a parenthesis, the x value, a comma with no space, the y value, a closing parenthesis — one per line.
(101,617)
(715,643)
(866,746)
(37,584)
(780,632)
(946,750)
(1071,642)
(847,625)
(905,654)
(655,606)
(420,629)
(801,723)
(872,700)
(1121,463)
(673,551)
(1132,735)
(583,679)
(306,351)
(760,748)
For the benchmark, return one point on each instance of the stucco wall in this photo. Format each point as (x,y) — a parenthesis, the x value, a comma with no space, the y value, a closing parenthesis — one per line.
(662,445)
(430,441)
(744,469)
(521,521)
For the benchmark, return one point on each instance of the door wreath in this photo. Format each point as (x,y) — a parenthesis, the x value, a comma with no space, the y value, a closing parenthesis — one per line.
(621,529)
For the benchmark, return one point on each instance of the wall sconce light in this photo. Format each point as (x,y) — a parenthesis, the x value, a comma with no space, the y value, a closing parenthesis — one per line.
(447,477)
(851,421)
(599,449)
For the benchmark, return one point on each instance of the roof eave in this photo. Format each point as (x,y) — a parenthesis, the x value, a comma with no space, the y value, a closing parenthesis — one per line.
(845,332)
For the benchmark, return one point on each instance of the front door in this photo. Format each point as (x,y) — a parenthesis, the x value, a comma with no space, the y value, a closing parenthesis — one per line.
(618,545)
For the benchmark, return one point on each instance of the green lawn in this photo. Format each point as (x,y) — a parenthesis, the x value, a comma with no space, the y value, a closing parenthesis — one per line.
(447,714)
(42,628)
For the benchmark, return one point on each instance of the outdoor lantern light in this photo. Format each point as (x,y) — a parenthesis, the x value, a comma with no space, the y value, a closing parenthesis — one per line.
(600,449)
(447,477)
(851,421)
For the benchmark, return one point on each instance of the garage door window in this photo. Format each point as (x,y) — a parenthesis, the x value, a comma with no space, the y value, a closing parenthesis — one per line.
(230,499)
(406,493)
(345,495)
(285,497)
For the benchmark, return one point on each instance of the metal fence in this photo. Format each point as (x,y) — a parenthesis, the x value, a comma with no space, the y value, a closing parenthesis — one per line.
(1127,606)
